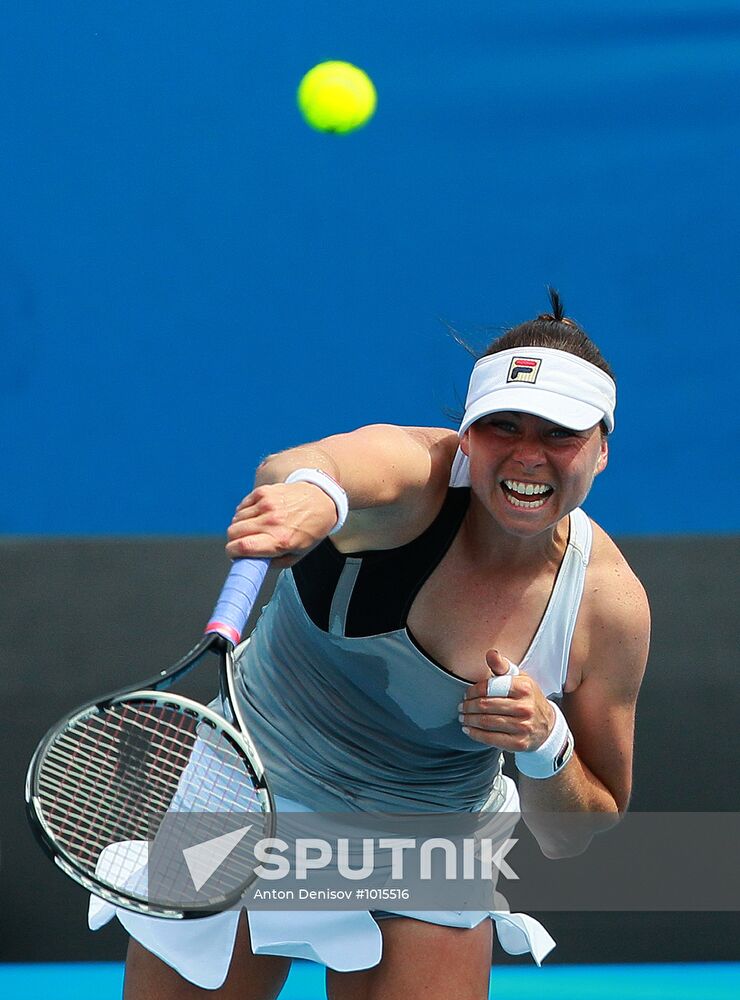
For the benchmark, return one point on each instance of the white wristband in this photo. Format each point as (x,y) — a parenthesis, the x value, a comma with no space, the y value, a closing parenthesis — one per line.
(330,486)
(554,753)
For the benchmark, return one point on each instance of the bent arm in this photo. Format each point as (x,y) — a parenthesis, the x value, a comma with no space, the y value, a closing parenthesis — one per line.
(601,714)
(394,477)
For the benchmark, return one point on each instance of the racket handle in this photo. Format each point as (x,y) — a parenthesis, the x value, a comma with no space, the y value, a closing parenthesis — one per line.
(237,598)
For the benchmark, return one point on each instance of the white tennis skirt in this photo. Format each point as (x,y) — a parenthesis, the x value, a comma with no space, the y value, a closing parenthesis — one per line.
(345,940)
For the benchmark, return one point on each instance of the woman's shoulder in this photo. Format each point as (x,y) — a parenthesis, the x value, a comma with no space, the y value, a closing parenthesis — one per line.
(615,598)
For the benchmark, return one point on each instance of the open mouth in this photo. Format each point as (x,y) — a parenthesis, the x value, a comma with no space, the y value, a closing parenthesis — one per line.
(529,495)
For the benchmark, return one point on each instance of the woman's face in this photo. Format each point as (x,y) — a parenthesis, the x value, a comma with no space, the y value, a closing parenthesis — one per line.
(528,472)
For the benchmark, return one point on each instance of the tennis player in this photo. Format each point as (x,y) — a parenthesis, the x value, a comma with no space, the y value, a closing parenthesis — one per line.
(444,599)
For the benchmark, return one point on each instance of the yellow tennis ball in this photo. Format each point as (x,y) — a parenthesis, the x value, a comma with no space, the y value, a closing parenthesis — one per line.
(336,97)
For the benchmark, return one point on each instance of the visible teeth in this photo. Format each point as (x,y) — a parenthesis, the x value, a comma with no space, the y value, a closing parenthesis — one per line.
(524,503)
(527,489)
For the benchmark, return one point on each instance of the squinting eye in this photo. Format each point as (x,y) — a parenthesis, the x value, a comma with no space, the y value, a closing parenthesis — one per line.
(561,432)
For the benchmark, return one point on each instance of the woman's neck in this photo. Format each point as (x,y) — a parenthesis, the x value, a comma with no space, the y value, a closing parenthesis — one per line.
(492,547)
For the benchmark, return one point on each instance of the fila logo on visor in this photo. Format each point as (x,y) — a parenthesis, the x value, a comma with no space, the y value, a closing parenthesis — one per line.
(524,370)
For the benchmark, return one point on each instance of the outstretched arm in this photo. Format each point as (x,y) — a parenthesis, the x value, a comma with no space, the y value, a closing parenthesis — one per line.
(394,477)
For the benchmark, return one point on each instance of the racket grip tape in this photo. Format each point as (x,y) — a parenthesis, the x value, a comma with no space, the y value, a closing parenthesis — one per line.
(237,598)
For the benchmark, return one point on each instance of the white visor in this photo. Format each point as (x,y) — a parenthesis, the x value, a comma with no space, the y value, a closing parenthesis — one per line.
(551,384)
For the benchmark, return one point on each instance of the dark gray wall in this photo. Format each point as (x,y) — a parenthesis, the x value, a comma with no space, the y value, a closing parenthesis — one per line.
(83,617)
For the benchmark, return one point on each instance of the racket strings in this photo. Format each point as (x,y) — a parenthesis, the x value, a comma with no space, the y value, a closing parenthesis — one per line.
(109,780)
(158,753)
(167,748)
(89,799)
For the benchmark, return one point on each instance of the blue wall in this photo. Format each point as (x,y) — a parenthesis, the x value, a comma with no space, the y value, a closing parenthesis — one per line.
(190,277)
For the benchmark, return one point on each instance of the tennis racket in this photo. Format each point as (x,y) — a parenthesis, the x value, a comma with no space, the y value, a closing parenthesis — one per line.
(140,796)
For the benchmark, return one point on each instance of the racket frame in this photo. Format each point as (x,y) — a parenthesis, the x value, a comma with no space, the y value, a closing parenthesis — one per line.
(154,689)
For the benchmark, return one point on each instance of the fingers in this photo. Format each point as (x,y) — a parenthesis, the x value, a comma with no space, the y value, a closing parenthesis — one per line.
(261,545)
(498,663)
(256,530)
(486,722)
(261,501)
(497,722)
(507,710)
(281,522)
(509,688)
(499,686)
(511,742)
(248,502)
(503,707)
(497,711)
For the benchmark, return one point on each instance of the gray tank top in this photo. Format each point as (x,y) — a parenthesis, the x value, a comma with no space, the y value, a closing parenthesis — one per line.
(369,722)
